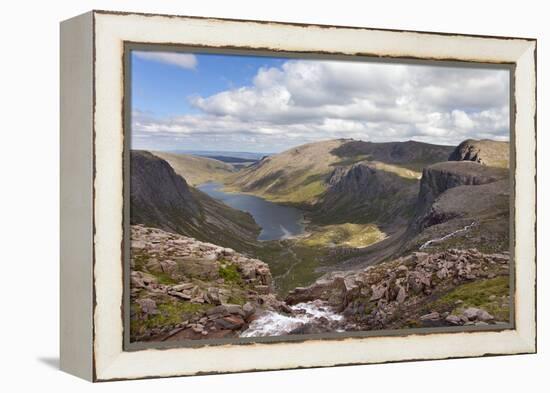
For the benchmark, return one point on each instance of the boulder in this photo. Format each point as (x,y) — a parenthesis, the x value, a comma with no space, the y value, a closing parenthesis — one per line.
(331,290)
(248,310)
(234,309)
(453,320)
(433,316)
(401,295)
(471,313)
(168,266)
(231,322)
(148,306)
(183,287)
(180,295)
(378,291)
(484,316)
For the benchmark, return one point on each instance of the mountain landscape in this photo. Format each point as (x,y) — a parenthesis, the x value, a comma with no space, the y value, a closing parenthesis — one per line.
(390,235)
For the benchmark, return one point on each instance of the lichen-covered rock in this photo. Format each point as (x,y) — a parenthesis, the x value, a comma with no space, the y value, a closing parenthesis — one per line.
(175,279)
(401,292)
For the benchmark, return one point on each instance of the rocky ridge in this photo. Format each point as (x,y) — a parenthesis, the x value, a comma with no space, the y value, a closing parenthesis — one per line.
(486,152)
(419,290)
(454,195)
(183,288)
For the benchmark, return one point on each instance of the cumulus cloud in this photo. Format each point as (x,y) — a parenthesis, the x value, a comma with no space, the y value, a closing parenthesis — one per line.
(305,100)
(182,60)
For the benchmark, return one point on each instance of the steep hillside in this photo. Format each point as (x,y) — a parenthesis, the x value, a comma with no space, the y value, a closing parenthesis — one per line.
(462,204)
(410,154)
(308,175)
(294,176)
(362,192)
(456,205)
(160,198)
(197,170)
(487,152)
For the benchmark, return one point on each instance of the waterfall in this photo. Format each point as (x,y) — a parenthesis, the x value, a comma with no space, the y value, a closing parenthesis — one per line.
(272,323)
(430,242)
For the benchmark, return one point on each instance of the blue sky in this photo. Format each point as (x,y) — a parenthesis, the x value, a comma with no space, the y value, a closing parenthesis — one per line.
(163,89)
(192,101)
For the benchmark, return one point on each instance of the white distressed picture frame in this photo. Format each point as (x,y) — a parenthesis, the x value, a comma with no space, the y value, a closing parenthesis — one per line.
(92,147)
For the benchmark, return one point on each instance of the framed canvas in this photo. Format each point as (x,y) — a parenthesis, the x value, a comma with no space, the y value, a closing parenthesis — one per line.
(245,195)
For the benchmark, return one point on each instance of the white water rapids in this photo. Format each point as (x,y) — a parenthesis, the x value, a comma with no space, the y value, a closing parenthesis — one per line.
(274,324)
(430,242)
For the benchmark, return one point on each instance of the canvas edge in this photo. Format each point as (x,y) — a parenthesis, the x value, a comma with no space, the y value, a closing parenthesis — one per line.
(524,336)
(76,204)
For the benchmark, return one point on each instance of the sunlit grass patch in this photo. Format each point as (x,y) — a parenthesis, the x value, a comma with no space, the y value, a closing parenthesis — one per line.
(399,170)
(348,235)
(168,314)
(491,295)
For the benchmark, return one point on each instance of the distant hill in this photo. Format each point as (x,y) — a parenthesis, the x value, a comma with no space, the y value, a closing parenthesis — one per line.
(233,160)
(160,198)
(294,176)
(245,155)
(486,152)
(344,180)
(410,154)
(197,170)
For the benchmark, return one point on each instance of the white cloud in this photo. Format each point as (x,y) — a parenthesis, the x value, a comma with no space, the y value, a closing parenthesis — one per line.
(182,60)
(306,100)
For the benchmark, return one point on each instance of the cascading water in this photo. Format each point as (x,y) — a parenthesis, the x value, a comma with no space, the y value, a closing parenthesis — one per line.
(448,236)
(275,324)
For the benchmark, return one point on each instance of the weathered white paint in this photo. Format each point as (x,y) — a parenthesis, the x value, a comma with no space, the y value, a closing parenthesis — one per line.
(113,362)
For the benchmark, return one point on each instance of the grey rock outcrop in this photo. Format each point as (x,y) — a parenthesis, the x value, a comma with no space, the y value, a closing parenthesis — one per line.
(195,295)
(486,152)
(438,178)
(453,189)
(386,295)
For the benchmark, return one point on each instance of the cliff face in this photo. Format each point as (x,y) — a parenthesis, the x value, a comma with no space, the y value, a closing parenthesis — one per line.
(362,192)
(486,152)
(466,198)
(158,196)
(360,180)
(162,199)
(438,178)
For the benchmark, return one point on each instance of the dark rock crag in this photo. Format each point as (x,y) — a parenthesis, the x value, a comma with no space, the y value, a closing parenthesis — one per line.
(362,192)
(162,199)
(486,152)
(438,178)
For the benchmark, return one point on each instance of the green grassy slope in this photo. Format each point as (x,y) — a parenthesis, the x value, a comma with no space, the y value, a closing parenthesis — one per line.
(197,170)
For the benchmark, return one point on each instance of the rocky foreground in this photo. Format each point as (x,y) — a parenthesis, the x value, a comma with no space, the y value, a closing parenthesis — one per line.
(182,288)
(455,287)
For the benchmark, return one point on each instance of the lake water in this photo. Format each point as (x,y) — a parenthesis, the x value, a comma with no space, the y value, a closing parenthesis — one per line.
(277,221)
